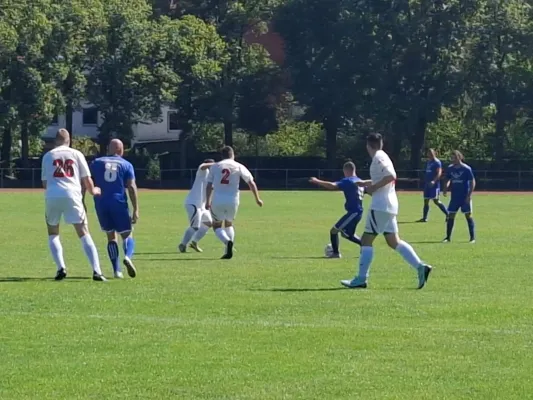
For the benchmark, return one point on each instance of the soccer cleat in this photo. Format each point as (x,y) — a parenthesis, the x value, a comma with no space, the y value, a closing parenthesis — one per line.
(422,220)
(423,274)
(334,255)
(61,274)
(132,272)
(472,241)
(354,284)
(229,251)
(182,248)
(99,277)
(195,247)
(446,240)
(118,275)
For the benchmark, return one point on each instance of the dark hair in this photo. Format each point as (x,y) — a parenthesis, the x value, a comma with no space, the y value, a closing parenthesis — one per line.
(349,166)
(458,154)
(227,152)
(374,140)
(209,161)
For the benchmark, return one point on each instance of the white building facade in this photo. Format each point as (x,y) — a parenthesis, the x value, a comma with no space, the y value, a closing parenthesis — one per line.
(86,120)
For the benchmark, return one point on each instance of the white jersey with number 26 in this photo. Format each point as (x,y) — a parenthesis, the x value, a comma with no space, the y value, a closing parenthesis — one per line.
(62,169)
(225,177)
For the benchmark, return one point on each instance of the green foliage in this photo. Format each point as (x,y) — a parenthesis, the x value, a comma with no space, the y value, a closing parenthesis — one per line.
(153,167)
(84,144)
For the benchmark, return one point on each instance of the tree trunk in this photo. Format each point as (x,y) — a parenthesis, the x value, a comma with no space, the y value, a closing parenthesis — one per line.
(228,133)
(7,143)
(25,145)
(68,118)
(417,142)
(499,134)
(331,127)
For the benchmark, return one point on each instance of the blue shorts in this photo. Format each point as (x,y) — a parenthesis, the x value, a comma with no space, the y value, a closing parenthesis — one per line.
(431,192)
(113,216)
(348,223)
(459,204)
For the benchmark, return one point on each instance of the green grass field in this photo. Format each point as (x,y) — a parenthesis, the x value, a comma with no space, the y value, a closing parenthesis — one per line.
(273,322)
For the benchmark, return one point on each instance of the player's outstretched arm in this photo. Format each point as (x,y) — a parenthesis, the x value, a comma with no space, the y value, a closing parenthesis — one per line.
(364,183)
(253,187)
(134,198)
(208,194)
(205,166)
(88,184)
(324,184)
(378,185)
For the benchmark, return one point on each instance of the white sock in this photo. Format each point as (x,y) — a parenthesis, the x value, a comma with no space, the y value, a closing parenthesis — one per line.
(222,235)
(57,251)
(91,253)
(200,233)
(409,254)
(189,233)
(230,230)
(365,260)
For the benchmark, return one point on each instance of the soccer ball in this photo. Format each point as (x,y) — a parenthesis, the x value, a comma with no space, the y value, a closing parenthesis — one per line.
(328,251)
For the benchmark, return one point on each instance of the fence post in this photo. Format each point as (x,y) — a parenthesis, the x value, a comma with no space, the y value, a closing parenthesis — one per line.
(2,178)
(519,180)
(33,178)
(286,179)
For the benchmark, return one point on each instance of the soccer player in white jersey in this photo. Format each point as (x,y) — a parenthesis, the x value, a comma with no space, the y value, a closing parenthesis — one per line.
(199,218)
(63,171)
(222,193)
(382,217)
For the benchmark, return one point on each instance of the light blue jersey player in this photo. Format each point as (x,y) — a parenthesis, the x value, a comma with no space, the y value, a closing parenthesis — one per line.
(353,205)
(114,175)
(432,184)
(460,180)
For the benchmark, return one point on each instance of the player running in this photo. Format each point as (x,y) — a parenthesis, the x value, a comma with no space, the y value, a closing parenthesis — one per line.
(63,171)
(199,218)
(432,184)
(382,217)
(353,195)
(224,179)
(460,178)
(114,175)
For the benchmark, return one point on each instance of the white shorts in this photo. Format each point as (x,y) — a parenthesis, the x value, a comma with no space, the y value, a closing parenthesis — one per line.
(72,211)
(224,212)
(197,215)
(381,222)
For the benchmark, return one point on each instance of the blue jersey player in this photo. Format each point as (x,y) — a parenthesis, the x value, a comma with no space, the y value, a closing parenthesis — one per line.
(353,205)
(460,180)
(432,184)
(114,175)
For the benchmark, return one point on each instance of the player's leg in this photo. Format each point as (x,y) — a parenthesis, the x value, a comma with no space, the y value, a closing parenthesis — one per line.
(123,226)
(194,224)
(390,230)
(114,253)
(128,243)
(425,209)
(440,204)
(467,210)
(207,223)
(334,240)
(231,213)
(76,216)
(218,212)
(348,230)
(366,256)
(453,207)
(53,217)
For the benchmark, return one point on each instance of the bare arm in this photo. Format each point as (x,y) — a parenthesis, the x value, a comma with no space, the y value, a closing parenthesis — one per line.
(324,184)
(446,187)
(438,175)
(88,184)
(253,187)
(378,185)
(134,198)
(472,187)
(205,166)
(363,183)
(208,194)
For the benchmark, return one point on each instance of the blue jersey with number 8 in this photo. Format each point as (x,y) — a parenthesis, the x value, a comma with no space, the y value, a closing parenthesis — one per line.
(111,174)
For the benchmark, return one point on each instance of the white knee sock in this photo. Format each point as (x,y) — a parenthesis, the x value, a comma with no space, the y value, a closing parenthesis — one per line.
(189,233)
(222,235)
(57,251)
(408,254)
(230,231)
(365,260)
(91,253)
(200,233)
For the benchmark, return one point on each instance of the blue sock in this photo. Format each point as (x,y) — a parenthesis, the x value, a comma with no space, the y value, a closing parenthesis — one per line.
(471,228)
(354,239)
(334,237)
(449,227)
(426,211)
(442,207)
(129,247)
(113,252)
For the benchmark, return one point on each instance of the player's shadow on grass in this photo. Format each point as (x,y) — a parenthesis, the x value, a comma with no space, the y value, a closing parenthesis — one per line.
(177,259)
(18,279)
(297,290)
(156,253)
(425,241)
(301,258)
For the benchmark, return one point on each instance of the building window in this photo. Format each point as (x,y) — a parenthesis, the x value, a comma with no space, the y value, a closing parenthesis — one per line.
(90,116)
(55,119)
(173,124)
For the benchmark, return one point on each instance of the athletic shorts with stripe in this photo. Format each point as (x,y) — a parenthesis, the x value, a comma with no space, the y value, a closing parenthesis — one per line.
(348,223)
(197,215)
(381,222)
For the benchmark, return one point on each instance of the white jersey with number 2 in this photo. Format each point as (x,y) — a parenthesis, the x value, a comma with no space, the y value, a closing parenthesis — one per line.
(62,169)
(225,177)
(385,198)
